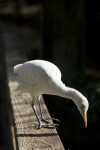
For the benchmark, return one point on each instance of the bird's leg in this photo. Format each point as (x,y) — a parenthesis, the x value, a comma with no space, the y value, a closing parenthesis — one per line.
(41,111)
(42,116)
(33,106)
(40,125)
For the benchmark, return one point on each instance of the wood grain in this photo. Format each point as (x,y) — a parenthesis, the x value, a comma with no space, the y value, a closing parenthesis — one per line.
(27,136)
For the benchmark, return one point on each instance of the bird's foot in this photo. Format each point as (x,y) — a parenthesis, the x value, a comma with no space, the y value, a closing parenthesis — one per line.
(40,125)
(46,120)
(47,126)
(54,119)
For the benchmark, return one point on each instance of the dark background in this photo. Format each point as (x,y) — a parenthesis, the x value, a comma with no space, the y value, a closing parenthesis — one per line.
(66,33)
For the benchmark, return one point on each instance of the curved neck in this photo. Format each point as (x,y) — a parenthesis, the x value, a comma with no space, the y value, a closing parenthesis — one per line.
(60,89)
(67,92)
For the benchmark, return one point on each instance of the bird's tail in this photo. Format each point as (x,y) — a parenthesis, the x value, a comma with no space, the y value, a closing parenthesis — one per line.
(17,67)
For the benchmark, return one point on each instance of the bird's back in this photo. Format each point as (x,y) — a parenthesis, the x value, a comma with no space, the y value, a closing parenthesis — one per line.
(37,73)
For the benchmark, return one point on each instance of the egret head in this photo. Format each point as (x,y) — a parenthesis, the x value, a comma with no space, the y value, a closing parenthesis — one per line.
(82,104)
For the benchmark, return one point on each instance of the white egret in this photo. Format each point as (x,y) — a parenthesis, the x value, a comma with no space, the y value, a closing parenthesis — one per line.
(42,77)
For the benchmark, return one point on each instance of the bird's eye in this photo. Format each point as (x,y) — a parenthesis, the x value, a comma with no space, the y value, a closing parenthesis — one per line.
(82,106)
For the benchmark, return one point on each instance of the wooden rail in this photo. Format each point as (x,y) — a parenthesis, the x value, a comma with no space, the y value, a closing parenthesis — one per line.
(22,118)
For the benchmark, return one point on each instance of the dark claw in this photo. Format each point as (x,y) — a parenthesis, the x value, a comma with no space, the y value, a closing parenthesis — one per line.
(51,119)
(55,119)
(47,126)
(44,120)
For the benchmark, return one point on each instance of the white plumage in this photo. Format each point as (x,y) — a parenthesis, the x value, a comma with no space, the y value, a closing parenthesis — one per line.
(42,77)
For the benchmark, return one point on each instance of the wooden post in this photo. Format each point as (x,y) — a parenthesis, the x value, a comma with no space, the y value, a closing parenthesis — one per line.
(63,34)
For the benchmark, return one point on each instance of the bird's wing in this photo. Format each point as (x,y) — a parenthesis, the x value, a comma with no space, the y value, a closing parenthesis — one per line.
(30,74)
(37,72)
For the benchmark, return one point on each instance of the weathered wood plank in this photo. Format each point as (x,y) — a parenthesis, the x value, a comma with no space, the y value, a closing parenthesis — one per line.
(27,137)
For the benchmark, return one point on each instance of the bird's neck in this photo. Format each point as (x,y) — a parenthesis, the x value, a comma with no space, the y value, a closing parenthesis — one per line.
(66,92)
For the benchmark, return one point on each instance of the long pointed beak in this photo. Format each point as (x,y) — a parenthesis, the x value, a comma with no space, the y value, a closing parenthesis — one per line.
(85,119)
